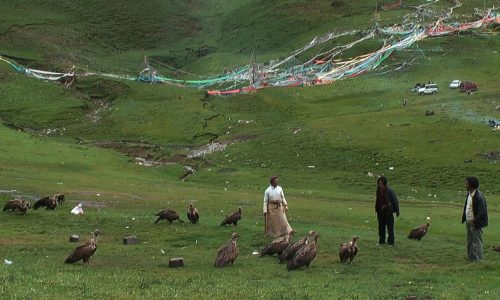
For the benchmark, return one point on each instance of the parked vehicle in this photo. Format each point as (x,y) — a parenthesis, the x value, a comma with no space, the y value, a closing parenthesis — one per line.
(430,88)
(455,84)
(468,86)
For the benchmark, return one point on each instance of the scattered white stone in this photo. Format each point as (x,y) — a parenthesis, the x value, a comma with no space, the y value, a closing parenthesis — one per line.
(207,149)
(391,168)
(429,195)
(98,194)
(133,219)
(428,218)
(311,167)
(297,130)
(7,262)
(127,227)
(255,253)
(370,174)
(163,252)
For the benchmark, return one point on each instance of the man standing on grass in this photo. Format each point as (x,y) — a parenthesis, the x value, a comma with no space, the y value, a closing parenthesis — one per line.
(386,205)
(475,216)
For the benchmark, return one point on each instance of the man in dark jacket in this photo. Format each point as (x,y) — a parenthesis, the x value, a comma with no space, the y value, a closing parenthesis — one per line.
(475,216)
(386,205)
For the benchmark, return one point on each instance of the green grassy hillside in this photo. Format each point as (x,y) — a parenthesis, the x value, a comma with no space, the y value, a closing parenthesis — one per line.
(93,141)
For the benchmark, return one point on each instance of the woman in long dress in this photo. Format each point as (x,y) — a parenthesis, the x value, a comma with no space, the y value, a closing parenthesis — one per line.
(275,208)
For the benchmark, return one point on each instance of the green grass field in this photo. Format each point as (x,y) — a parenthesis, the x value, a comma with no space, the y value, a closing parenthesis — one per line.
(328,144)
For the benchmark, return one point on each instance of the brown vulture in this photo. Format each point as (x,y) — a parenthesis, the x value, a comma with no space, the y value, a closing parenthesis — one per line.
(192,214)
(418,233)
(59,198)
(227,254)
(278,245)
(85,251)
(169,215)
(348,251)
(290,251)
(47,202)
(232,218)
(17,204)
(304,255)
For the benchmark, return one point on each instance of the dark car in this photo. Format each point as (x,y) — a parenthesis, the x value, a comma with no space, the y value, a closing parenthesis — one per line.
(468,86)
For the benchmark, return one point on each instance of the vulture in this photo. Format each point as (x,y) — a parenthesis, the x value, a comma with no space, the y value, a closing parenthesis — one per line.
(278,245)
(59,198)
(192,214)
(232,218)
(169,215)
(227,254)
(304,255)
(17,204)
(47,202)
(419,233)
(348,251)
(290,251)
(85,251)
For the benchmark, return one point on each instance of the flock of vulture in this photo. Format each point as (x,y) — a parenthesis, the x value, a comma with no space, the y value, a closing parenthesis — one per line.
(295,254)
(22,205)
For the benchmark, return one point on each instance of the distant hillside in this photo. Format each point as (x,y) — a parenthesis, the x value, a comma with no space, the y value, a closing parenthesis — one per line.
(116,35)
(354,127)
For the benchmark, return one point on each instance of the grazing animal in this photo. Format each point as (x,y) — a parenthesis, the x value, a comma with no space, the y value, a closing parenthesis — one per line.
(348,250)
(419,233)
(47,202)
(59,198)
(290,251)
(192,214)
(304,255)
(232,218)
(227,254)
(278,245)
(169,215)
(17,204)
(85,251)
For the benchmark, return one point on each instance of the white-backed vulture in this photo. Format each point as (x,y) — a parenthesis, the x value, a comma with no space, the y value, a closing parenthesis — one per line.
(85,251)
(59,198)
(349,250)
(419,233)
(232,218)
(169,215)
(304,255)
(47,202)
(192,214)
(227,254)
(17,204)
(290,251)
(278,245)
